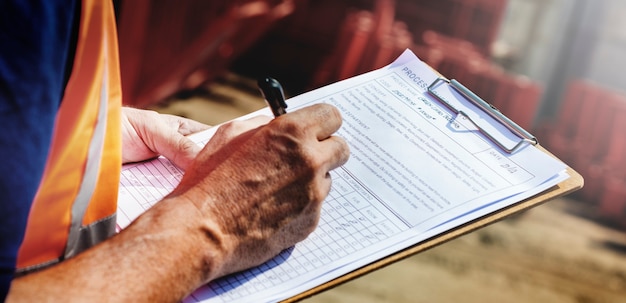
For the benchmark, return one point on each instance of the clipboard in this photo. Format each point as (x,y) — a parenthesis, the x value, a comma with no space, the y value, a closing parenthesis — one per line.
(573,183)
(480,144)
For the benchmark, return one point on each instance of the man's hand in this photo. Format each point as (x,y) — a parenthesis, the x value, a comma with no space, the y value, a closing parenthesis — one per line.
(147,134)
(262,191)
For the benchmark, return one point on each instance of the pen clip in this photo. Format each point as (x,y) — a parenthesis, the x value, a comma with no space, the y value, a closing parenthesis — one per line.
(273,94)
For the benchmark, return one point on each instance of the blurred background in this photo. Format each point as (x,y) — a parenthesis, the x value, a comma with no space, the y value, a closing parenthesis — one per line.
(553,66)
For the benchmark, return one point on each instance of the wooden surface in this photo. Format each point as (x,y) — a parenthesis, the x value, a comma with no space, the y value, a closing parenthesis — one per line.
(570,185)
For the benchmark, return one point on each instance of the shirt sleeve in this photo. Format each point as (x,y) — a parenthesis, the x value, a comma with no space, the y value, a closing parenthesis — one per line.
(37,41)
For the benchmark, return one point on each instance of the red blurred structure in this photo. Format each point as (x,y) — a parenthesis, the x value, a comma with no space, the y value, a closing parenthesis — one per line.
(328,40)
(588,134)
(167,46)
(474,21)
(367,40)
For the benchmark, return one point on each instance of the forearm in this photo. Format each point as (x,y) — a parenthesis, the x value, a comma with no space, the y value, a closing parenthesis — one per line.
(161,257)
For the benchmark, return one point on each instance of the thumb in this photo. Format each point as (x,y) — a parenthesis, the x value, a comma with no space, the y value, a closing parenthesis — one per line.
(176,147)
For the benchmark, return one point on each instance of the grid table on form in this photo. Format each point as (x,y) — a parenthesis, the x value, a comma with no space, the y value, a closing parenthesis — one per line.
(347,225)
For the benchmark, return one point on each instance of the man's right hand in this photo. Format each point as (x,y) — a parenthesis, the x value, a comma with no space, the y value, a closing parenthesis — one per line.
(261,192)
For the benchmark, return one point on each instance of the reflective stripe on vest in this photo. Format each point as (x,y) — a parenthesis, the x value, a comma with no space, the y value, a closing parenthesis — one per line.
(76,202)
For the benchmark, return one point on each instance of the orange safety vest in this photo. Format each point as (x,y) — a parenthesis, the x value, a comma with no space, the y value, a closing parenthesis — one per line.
(75,205)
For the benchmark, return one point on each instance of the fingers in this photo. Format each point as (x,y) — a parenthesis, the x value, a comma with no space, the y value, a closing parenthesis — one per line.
(147,134)
(333,152)
(336,151)
(183,125)
(229,130)
(322,119)
(173,145)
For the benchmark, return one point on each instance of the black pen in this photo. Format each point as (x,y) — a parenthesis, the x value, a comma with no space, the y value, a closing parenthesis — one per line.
(273,94)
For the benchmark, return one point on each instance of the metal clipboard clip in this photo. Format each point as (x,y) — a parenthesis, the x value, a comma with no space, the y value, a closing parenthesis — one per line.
(523,135)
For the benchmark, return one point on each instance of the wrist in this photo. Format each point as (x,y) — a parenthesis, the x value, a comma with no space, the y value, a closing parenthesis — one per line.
(195,241)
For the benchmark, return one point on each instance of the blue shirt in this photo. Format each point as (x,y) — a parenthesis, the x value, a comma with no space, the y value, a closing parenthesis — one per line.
(37,42)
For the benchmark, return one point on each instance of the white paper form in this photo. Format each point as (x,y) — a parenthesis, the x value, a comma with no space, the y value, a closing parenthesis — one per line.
(414,172)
